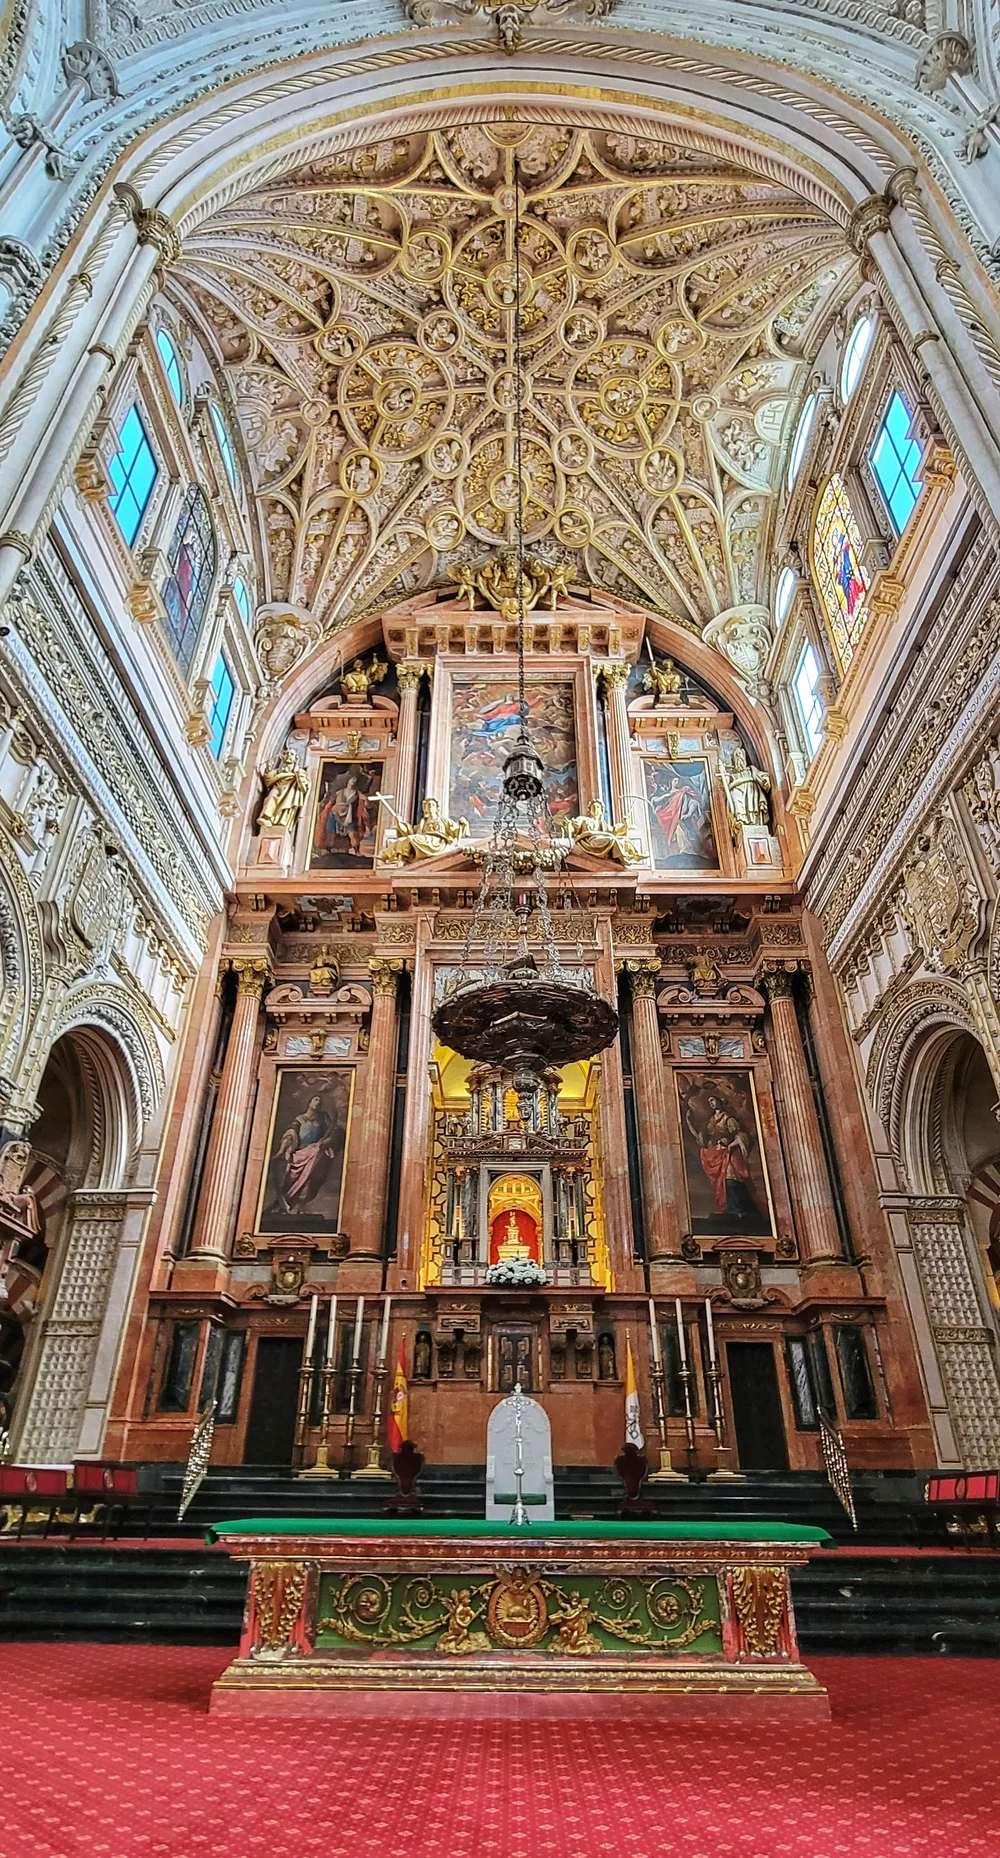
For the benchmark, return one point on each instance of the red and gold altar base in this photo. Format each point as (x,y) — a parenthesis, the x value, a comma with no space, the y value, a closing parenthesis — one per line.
(694,1617)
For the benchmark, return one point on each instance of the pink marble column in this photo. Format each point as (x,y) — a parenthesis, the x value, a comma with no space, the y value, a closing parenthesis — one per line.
(416,1122)
(653,1119)
(623,779)
(409,676)
(227,1142)
(370,1171)
(812,1204)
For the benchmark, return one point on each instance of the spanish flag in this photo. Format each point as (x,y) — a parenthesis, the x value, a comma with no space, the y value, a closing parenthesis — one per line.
(633,1422)
(398,1418)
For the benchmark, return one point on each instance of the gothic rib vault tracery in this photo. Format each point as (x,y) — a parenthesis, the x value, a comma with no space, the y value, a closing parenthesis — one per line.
(363,307)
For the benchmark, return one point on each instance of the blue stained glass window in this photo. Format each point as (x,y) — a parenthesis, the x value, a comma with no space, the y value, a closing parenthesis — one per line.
(171,362)
(133,473)
(895,460)
(225,443)
(192,569)
(808,702)
(242,598)
(223,692)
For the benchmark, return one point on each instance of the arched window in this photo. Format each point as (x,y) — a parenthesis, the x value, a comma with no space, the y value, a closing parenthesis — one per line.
(840,577)
(855,355)
(192,568)
(801,439)
(242,598)
(225,443)
(133,473)
(783,593)
(895,460)
(171,364)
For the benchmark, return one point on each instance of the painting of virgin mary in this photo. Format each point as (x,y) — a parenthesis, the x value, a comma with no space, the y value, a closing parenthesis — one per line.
(303,1176)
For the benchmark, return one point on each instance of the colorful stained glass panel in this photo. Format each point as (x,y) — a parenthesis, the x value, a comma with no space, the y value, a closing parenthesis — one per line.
(840,577)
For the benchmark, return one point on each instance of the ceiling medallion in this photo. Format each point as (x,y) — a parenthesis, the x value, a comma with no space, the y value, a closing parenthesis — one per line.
(509,20)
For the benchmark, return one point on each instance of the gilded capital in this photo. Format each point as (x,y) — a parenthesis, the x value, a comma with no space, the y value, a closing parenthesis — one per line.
(409,675)
(778,983)
(383,972)
(615,676)
(644,981)
(252,974)
(152,226)
(870,217)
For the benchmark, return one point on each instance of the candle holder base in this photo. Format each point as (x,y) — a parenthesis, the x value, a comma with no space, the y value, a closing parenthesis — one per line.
(666,1471)
(724,1472)
(373,1469)
(322,1467)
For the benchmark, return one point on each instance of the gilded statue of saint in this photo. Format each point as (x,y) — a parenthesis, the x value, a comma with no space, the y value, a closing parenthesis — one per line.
(357,682)
(747,789)
(590,832)
(434,832)
(664,679)
(286,788)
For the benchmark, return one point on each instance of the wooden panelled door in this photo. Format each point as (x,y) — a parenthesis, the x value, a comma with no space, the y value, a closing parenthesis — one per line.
(756,1401)
(271,1425)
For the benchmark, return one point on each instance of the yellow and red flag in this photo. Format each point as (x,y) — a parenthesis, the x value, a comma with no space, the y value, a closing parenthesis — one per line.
(398,1418)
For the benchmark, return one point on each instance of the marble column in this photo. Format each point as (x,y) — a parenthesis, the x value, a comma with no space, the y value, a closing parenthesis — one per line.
(653,1119)
(371,1169)
(623,778)
(409,676)
(802,1143)
(227,1142)
(416,1121)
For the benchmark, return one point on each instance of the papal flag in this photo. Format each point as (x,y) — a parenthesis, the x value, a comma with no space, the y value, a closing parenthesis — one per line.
(633,1422)
(397,1425)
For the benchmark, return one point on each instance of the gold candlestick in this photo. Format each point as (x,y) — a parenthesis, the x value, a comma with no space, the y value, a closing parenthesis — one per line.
(373,1468)
(666,1470)
(724,1472)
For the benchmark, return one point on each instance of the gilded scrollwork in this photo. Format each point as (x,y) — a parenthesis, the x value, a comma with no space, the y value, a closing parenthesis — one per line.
(364,307)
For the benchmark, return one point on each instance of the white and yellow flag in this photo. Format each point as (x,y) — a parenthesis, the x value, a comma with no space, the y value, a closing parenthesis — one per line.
(633,1422)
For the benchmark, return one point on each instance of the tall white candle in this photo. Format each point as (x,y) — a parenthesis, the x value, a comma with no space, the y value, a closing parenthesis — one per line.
(711,1331)
(331,1334)
(383,1341)
(654,1333)
(681,1341)
(311,1331)
(358,1320)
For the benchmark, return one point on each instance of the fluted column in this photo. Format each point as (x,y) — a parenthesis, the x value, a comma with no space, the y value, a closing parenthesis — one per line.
(371,1170)
(623,781)
(653,1118)
(227,1141)
(409,676)
(416,1121)
(819,1234)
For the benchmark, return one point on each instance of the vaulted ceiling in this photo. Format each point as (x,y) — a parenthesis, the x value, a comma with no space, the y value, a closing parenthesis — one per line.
(363,308)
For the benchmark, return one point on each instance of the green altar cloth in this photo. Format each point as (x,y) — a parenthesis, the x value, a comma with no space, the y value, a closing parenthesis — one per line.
(465,1528)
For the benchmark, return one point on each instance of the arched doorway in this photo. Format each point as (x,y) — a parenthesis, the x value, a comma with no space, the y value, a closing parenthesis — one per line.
(84,1145)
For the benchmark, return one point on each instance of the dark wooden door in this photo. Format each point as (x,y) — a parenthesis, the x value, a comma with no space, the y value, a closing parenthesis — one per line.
(271,1426)
(757,1414)
(515,1350)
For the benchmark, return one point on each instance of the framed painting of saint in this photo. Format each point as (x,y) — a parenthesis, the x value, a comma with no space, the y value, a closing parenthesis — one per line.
(484,725)
(680,815)
(724,1171)
(306,1152)
(345,822)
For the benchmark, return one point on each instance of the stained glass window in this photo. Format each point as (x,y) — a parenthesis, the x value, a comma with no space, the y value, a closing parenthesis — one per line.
(895,460)
(225,443)
(840,577)
(807,701)
(855,355)
(133,473)
(171,363)
(242,598)
(223,692)
(192,567)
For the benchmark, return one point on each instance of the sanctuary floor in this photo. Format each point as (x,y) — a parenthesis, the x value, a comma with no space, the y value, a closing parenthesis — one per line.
(110,1753)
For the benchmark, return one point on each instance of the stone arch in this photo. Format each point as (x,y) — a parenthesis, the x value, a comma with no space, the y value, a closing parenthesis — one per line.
(117,1045)
(904,1076)
(22,961)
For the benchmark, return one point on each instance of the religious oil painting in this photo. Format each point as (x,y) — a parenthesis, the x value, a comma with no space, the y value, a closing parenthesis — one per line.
(307,1151)
(679,794)
(484,725)
(723,1163)
(346,818)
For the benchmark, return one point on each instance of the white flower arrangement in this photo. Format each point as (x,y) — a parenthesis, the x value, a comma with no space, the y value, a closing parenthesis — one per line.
(516,1273)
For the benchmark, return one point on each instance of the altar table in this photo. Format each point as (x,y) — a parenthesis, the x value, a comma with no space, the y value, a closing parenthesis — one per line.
(694,1615)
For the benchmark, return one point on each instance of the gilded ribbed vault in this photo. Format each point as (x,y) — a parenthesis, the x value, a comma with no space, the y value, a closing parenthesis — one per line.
(363,306)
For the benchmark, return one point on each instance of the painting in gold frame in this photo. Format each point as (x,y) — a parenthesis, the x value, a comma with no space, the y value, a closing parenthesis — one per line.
(305,1161)
(725,1175)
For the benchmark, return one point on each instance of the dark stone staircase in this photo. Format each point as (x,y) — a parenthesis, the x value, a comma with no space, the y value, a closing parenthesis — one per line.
(946,1601)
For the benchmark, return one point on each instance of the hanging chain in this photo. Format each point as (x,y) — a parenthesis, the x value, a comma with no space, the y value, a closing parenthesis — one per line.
(522,700)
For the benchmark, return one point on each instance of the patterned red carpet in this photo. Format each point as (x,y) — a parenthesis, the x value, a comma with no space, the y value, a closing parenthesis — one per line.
(109,1753)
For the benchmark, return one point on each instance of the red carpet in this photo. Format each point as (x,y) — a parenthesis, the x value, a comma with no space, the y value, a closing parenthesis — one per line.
(109,1753)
